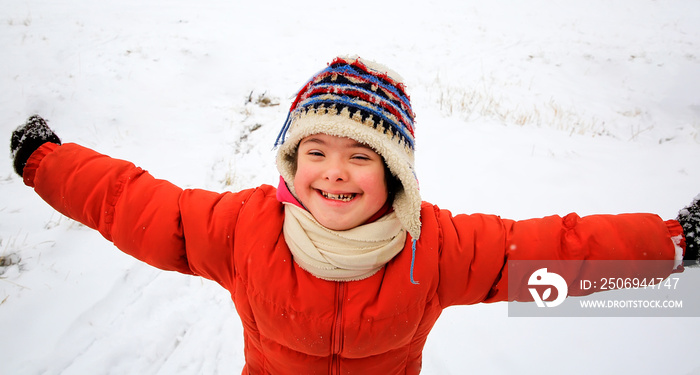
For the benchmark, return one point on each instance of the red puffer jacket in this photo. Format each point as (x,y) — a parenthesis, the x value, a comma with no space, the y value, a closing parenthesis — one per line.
(295,323)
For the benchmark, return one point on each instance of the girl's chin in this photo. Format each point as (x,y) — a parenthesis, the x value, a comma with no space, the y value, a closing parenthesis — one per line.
(340,223)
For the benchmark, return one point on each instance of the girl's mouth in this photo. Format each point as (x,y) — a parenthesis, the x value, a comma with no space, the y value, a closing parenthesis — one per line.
(338,197)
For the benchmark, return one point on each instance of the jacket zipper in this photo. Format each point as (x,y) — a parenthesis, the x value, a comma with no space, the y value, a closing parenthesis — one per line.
(337,329)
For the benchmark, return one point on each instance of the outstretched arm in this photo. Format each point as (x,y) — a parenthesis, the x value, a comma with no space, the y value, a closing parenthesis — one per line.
(123,202)
(143,216)
(476,250)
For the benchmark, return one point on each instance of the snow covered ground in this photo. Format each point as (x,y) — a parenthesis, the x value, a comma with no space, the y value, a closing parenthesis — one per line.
(525,109)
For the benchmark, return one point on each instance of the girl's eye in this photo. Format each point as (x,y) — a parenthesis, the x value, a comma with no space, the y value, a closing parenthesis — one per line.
(361,157)
(315,153)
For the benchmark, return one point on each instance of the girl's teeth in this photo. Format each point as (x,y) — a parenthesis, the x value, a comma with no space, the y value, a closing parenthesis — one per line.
(338,197)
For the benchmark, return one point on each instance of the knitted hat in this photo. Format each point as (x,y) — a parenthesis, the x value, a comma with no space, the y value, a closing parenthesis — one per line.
(364,101)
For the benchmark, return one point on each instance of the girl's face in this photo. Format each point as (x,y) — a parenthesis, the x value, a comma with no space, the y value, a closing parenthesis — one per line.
(339,180)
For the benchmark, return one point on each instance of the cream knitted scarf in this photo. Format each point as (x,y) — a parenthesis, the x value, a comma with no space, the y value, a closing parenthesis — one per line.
(348,255)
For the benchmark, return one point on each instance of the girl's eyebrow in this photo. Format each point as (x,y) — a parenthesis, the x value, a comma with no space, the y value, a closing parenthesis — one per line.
(360,145)
(314,140)
(319,141)
(364,146)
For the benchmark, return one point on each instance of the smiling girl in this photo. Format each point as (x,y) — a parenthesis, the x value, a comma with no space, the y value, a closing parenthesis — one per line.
(340,181)
(341,268)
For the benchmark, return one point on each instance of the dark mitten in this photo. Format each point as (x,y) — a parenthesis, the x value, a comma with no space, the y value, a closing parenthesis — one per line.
(689,218)
(28,138)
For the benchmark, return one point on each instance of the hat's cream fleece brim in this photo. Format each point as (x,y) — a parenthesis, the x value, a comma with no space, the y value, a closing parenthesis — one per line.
(398,157)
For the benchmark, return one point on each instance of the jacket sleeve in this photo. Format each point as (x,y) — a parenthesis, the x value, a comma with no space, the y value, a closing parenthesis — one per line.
(475,250)
(141,215)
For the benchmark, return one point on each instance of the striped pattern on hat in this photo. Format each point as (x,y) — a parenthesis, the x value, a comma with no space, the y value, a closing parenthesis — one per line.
(349,83)
(364,101)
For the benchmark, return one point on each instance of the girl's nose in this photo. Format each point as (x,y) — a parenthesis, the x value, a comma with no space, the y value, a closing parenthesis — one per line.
(336,171)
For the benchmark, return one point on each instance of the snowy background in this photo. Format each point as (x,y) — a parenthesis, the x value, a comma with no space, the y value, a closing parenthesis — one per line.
(525,109)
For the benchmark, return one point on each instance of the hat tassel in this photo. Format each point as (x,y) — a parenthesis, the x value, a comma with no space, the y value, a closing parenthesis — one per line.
(413,259)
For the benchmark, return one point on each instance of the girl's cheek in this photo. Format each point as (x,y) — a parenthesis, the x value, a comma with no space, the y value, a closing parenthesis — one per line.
(376,185)
(303,174)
